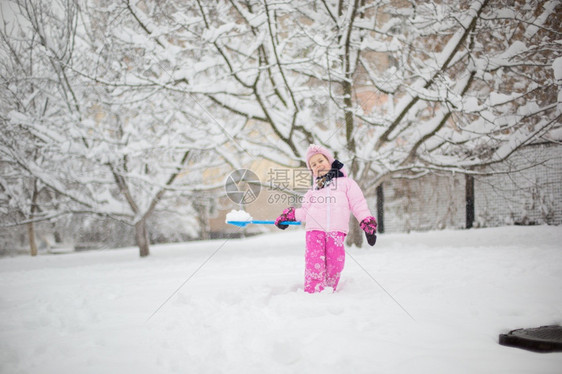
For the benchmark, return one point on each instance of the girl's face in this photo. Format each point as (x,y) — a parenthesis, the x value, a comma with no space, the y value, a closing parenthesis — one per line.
(319,165)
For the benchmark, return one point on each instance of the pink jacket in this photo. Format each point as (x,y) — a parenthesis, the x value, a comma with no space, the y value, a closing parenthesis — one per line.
(328,209)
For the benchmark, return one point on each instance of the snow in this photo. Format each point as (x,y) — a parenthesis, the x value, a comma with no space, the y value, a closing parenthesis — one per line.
(548,8)
(555,135)
(470,104)
(238,215)
(237,306)
(557,67)
(497,98)
(212,34)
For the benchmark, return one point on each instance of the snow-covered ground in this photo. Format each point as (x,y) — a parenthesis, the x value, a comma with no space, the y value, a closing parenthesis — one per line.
(245,311)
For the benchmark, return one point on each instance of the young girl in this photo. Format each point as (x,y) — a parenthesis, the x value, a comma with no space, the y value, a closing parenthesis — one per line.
(325,210)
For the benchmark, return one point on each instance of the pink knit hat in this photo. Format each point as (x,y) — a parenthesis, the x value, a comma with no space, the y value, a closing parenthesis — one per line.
(315,149)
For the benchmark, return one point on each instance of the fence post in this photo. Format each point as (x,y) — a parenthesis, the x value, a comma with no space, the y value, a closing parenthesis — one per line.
(380,209)
(469,196)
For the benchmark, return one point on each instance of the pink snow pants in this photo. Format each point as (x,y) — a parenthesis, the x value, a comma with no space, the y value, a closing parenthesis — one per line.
(324,260)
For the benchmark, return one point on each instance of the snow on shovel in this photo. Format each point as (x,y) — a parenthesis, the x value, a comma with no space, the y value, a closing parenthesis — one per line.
(241,218)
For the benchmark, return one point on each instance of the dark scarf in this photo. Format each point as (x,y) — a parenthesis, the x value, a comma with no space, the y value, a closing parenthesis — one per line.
(326,179)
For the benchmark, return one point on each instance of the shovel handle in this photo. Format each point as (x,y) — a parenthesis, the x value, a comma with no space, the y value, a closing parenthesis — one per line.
(259,222)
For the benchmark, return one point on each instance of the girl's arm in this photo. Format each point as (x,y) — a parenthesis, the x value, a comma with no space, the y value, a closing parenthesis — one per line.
(300,213)
(357,203)
(292,214)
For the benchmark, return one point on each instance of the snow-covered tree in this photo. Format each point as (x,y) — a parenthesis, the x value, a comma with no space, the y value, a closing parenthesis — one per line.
(131,94)
(395,88)
(107,141)
(36,95)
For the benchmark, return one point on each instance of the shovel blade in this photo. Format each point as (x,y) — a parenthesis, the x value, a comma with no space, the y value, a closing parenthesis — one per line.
(239,223)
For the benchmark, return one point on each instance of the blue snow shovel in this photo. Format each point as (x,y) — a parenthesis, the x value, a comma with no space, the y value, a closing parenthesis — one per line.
(258,222)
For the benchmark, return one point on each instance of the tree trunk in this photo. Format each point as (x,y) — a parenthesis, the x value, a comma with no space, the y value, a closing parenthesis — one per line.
(355,234)
(469,196)
(141,237)
(30,225)
(380,209)
(32,242)
(202,217)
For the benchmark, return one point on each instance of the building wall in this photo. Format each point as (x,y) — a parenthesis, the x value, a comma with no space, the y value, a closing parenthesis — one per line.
(431,202)
(526,190)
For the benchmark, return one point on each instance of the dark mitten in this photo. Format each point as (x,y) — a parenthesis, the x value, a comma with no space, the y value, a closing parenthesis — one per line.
(287,215)
(371,239)
(369,225)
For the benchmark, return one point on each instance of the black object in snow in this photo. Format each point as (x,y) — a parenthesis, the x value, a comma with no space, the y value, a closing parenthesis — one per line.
(542,339)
